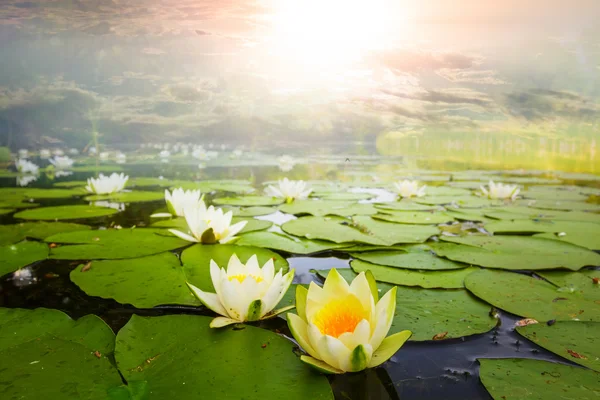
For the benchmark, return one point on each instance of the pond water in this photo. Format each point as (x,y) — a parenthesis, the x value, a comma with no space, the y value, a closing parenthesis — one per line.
(460,296)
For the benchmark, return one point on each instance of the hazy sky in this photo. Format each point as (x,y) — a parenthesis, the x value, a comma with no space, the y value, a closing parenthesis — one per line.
(148,68)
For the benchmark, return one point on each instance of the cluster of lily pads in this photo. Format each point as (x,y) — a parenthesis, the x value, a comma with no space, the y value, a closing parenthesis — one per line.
(442,254)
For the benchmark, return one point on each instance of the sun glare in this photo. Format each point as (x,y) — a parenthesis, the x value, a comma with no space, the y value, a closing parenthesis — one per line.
(329,33)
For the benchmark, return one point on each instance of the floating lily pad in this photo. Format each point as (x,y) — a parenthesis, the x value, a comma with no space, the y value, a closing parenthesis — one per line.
(419,258)
(343,196)
(12,194)
(35,230)
(522,379)
(530,297)
(581,238)
(233,186)
(452,279)
(143,282)
(461,201)
(282,242)
(250,211)
(113,244)
(446,191)
(560,205)
(421,218)
(128,197)
(179,356)
(149,182)
(574,340)
(540,226)
(181,225)
(468,214)
(104,168)
(4,211)
(47,355)
(196,261)
(516,252)
(320,208)
(15,256)
(581,282)
(248,201)
(65,212)
(70,184)
(512,213)
(553,194)
(406,205)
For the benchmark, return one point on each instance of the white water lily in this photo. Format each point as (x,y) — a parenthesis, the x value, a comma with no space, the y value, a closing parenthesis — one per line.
(200,154)
(343,327)
(62,162)
(244,292)
(60,174)
(107,184)
(178,200)
(73,151)
(104,155)
(500,191)
(408,188)
(26,180)
(121,158)
(289,190)
(92,151)
(26,167)
(209,225)
(45,153)
(23,153)
(58,152)
(286,163)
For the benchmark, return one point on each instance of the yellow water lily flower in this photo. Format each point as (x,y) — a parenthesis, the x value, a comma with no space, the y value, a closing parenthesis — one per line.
(343,327)
(244,292)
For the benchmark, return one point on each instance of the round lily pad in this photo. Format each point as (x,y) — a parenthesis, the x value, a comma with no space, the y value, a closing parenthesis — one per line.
(406,205)
(282,242)
(420,218)
(233,186)
(248,201)
(561,205)
(419,258)
(343,196)
(514,212)
(522,379)
(516,252)
(250,211)
(469,201)
(35,230)
(582,282)
(4,211)
(579,238)
(113,244)
(11,194)
(15,256)
(574,340)
(530,297)
(128,197)
(320,208)
(143,282)
(65,212)
(196,261)
(452,279)
(181,225)
(179,356)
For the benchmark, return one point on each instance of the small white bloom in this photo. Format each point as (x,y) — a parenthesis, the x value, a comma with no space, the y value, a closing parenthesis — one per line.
(209,225)
(107,184)
(244,292)
(286,163)
(500,191)
(26,167)
(59,174)
(58,152)
(45,153)
(23,153)
(179,200)
(121,158)
(104,155)
(408,188)
(73,151)
(62,162)
(26,180)
(200,154)
(289,190)
(164,154)
(92,150)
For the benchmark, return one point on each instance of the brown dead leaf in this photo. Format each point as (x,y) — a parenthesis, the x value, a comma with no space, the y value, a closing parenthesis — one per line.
(596,280)
(97,354)
(576,355)
(52,245)
(526,321)
(86,267)
(439,336)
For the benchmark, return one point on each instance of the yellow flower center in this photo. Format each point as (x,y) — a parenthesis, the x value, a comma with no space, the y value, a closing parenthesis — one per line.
(340,316)
(241,277)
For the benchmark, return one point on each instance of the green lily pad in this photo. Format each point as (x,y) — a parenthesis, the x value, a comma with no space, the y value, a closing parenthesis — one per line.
(65,212)
(406,217)
(113,244)
(553,194)
(470,201)
(233,186)
(15,256)
(468,214)
(12,194)
(250,211)
(582,238)
(542,226)
(70,184)
(419,258)
(560,205)
(128,197)
(516,252)
(142,282)
(447,191)
(282,242)
(171,355)
(320,208)
(574,340)
(522,379)
(512,213)
(149,182)
(35,230)
(452,279)
(405,205)
(343,196)
(47,355)
(581,282)
(360,229)
(248,201)
(196,261)
(530,297)
(110,168)
(181,225)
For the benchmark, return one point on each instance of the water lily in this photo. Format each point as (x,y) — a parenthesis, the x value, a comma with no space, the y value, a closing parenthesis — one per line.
(209,225)
(62,162)
(73,151)
(104,155)
(343,327)
(286,163)
(408,188)
(244,292)
(23,153)
(121,158)
(92,151)
(289,190)
(107,184)
(26,180)
(60,174)
(26,167)
(58,152)
(500,191)
(178,200)
(45,153)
